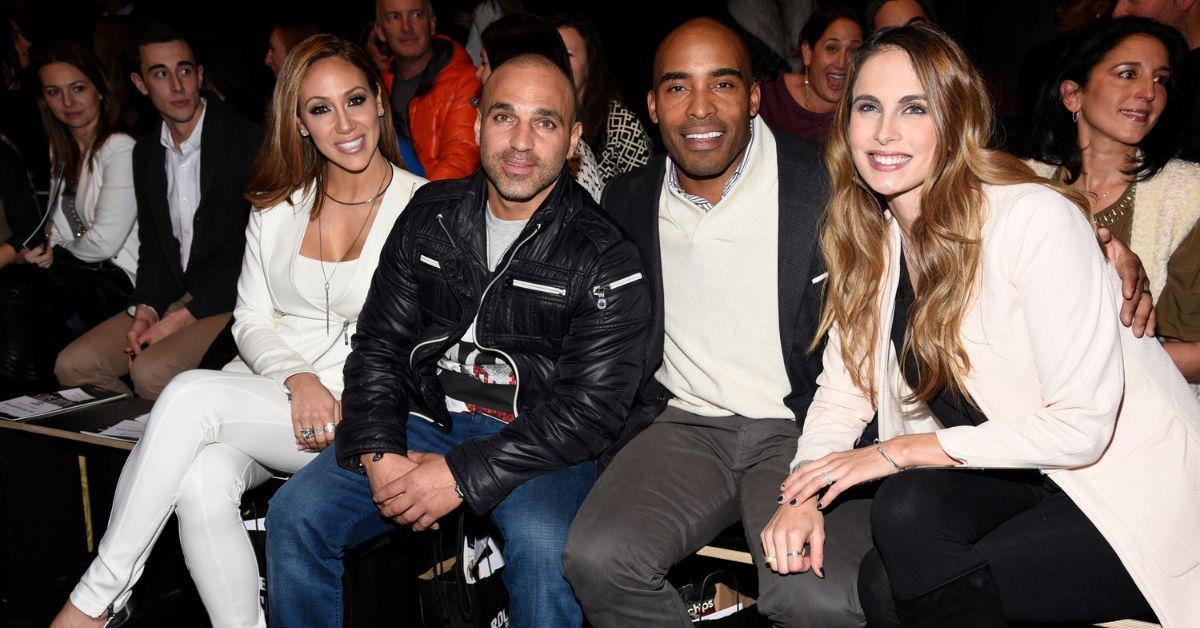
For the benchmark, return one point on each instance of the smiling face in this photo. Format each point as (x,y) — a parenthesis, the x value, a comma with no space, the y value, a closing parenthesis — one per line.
(892,135)
(703,99)
(827,61)
(408,25)
(1125,94)
(899,13)
(72,98)
(578,54)
(340,114)
(170,77)
(526,129)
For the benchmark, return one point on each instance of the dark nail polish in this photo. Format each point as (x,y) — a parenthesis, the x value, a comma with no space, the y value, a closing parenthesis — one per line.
(820,506)
(821,571)
(779,500)
(793,502)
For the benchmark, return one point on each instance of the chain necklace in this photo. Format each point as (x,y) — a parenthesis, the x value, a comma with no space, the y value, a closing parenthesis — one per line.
(1109,216)
(321,241)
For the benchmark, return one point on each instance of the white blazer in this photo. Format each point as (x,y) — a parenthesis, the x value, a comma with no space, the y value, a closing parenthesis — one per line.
(105,201)
(1066,389)
(279,332)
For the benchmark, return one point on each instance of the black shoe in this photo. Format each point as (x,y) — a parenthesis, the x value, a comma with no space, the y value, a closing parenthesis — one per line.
(971,601)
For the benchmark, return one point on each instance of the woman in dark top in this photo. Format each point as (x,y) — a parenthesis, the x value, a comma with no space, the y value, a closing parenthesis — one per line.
(802,104)
(610,129)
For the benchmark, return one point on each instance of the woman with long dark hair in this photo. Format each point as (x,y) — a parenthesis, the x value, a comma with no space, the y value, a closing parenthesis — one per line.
(77,268)
(610,129)
(969,308)
(802,103)
(1110,119)
(326,188)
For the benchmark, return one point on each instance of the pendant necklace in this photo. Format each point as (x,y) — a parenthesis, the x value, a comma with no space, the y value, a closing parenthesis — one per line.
(321,240)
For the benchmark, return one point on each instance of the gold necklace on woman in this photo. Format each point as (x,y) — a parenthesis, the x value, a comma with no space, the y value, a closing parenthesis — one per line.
(321,241)
(1109,216)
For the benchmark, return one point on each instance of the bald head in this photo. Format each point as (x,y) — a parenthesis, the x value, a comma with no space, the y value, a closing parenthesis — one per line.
(526,66)
(705,34)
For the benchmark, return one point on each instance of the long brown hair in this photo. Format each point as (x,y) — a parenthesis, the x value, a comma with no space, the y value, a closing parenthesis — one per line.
(64,150)
(287,162)
(946,237)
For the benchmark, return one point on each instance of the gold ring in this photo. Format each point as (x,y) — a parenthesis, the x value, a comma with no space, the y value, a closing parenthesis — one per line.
(770,558)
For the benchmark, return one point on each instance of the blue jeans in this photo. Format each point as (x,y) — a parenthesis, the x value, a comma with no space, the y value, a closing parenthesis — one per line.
(324,509)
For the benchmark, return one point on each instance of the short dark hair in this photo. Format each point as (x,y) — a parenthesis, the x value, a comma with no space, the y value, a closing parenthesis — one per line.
(525,34)
(1055,137)
(874,5)
(153,32)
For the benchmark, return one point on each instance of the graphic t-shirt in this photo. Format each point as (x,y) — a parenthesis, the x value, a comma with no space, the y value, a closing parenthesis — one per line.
(475,379)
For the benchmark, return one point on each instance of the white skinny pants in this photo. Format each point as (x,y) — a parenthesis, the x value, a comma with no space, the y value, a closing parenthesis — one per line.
(211,436)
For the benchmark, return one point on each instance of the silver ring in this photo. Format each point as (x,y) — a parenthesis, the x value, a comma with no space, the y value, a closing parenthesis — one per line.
(828,480)
(329,427)
(318,430)
(795,554)
(307,433)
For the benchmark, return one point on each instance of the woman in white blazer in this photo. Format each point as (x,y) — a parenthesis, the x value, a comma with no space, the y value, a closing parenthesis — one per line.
(969,307)
(311,250)
(1126,171)
(76,267)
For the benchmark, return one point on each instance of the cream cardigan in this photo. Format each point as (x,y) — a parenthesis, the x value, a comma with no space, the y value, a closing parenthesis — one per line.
(1065,387)
(279,332)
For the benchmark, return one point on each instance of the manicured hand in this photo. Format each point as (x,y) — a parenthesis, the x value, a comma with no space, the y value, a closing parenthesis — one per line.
(313,407)
(792,528)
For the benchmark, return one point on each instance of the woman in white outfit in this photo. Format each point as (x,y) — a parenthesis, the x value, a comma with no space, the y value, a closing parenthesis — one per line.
(326,190)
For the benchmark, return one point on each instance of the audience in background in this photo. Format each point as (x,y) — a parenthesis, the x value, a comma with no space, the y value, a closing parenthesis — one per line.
(486,12)
(284,36)
(525,33)
(375,44)
(78,267)
(802,103)
(893,13)
(1110,118)
(20,121)
(19,212)
(191,221)
(771,29)
(433,89)
(1184,17)
(610,129)
(214,434)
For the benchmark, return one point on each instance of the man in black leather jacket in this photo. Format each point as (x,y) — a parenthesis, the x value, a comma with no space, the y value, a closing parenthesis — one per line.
(495,360)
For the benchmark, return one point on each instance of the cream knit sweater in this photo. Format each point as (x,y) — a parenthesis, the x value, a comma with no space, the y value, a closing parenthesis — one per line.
(721,353)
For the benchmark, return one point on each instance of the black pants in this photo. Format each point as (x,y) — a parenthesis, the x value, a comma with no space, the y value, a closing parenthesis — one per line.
(1049,563)
(43,309)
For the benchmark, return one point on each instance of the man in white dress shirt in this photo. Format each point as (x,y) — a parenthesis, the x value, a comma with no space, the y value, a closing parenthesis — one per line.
(189,178)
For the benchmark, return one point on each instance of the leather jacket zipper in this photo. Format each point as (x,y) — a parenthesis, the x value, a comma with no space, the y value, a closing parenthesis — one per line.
(516,372)
(601,292)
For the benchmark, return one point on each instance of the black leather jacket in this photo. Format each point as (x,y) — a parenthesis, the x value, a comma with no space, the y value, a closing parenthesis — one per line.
(567,306)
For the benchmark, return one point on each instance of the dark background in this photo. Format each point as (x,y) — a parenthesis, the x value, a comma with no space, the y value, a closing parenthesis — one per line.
(231,35)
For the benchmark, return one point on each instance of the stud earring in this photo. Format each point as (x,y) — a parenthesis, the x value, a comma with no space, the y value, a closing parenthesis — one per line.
(380,113)
(303,133)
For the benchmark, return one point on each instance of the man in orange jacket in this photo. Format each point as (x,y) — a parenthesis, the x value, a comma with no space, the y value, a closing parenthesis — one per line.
(433,89)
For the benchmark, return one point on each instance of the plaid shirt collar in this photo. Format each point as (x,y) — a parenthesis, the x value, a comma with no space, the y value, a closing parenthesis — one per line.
(700,201)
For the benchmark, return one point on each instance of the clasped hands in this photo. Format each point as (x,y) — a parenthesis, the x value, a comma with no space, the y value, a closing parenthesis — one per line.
(417,489)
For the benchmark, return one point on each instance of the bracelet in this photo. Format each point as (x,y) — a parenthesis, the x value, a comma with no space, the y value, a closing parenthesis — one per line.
(799,463)
(883,453)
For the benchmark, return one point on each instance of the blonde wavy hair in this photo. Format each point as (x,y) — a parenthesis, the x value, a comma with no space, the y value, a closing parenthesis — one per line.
(947,237)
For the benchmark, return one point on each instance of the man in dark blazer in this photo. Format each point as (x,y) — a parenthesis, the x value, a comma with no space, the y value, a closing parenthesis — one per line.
(189,179)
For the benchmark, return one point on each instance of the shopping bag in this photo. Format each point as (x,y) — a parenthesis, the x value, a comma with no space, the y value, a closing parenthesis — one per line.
(717,602)
(464,590)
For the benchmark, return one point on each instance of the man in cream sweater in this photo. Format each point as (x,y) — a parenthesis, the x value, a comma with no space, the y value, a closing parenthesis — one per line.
(726,226)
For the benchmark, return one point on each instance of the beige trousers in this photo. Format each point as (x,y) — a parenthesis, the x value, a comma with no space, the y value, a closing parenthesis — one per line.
(98,356)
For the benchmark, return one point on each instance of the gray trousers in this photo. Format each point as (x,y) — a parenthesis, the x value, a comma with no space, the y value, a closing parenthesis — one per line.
(670,491)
